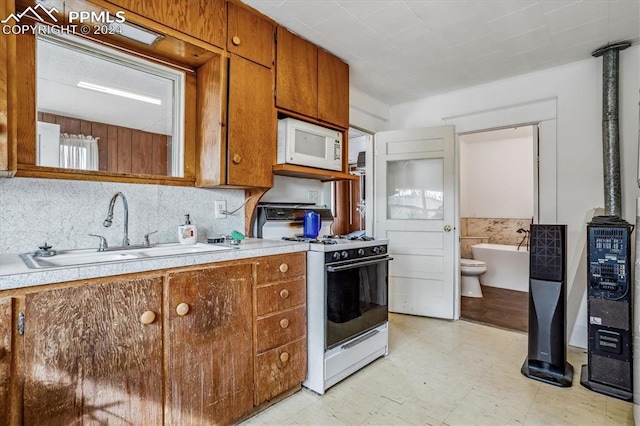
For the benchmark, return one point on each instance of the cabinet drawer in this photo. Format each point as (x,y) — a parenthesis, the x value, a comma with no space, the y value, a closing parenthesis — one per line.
(278,329)
(280,369)
(280,295)
(281,267)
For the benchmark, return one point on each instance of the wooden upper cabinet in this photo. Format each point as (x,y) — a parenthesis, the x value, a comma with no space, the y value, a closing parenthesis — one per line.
(296,74)
(202,19)
(333,89)
(251,128)
(250,35)
(7,97)
(92,357)
(210,346)
(311,81)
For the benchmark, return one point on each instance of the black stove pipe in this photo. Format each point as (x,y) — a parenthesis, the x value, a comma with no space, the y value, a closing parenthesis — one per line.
(610,134)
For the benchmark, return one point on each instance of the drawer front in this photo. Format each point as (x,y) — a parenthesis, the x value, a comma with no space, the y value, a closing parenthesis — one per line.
(281,267)
(281,328)
(280,369)
(280,295)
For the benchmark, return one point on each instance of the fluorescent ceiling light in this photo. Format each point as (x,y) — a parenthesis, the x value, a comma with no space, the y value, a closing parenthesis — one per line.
(117,92)
(134,32)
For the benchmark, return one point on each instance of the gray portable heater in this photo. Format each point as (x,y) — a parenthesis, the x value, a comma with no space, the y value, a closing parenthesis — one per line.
(547,357)
(609,306)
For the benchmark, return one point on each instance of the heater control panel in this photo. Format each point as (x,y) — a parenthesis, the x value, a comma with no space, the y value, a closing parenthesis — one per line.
(609,261)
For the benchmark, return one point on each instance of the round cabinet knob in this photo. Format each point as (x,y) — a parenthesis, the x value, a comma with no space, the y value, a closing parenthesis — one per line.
(284,293)
(182,309)
(284,323)
(283,267)
(237,158)
(284,356)
(148,317)
(235,40)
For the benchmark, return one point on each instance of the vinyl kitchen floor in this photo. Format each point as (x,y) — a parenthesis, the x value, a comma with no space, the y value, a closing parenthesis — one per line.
(442,372)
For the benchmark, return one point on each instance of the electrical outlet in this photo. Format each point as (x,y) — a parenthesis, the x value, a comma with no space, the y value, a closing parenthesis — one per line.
(221,208)
(312,196)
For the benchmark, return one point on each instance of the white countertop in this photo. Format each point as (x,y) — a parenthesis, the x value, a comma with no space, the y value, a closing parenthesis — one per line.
(15,274)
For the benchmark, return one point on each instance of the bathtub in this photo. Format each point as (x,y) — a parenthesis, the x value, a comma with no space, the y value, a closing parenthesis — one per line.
(507,267)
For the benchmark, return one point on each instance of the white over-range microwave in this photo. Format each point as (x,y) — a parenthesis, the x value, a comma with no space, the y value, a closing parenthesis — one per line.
(310,145)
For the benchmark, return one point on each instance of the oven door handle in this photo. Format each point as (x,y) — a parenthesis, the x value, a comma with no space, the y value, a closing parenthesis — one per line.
(357,264)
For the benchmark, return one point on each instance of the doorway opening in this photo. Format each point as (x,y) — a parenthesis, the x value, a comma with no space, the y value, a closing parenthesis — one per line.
(498,187)
(354,199)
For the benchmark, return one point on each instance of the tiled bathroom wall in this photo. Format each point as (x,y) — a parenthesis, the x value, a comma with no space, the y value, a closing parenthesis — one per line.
(475,230)
(63,213)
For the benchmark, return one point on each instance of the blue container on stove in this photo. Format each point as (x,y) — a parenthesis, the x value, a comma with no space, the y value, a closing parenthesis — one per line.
(311,224)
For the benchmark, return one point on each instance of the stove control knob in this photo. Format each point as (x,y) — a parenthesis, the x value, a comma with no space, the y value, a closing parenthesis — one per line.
(344,254)
(382,249)
(376,250)
(361,252)
(336,255)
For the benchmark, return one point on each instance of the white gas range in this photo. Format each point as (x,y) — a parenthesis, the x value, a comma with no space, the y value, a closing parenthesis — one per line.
(347,294)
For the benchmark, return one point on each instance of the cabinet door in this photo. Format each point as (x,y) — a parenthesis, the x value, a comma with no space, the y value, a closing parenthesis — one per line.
(250,36)
(210,345)
(296,74)
(5,358)
(7,49)
(203,19)
(89,356)
(251,127)
(333,89)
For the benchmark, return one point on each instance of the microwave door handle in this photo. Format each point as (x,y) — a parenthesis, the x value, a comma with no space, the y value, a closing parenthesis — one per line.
(357,265)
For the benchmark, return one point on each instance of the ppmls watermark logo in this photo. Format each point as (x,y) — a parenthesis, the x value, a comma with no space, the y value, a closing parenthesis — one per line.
(30,21)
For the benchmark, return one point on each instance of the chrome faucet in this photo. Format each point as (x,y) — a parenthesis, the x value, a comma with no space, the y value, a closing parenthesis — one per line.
(107,222)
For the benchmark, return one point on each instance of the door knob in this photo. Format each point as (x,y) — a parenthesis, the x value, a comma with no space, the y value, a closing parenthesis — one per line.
(148,317)
(182,309)
(447,228)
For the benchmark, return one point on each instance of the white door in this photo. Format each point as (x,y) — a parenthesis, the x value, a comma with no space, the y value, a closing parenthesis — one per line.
(414,199)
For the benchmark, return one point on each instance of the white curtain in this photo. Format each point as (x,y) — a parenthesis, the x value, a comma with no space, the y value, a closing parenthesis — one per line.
(78,152)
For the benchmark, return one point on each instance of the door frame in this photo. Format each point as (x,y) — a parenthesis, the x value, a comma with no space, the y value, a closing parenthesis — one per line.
(535,112)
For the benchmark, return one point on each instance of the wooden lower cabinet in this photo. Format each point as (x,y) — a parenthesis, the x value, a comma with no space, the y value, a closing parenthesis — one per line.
(88,356)
(5,358)
(280,325)
(209,353)
(174,347)
(280,369)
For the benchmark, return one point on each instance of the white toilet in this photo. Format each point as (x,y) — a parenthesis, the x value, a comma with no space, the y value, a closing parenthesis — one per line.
(470,270)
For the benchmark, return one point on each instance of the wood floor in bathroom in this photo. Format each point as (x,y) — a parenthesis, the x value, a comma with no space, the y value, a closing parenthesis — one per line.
(499,307)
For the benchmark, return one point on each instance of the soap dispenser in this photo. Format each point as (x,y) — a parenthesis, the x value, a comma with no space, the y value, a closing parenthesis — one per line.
(187,233)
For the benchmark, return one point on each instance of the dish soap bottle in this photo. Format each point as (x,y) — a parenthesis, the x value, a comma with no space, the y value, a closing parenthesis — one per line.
(187,233)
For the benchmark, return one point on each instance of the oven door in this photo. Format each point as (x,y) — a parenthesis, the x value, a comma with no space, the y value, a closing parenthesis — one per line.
(357,298)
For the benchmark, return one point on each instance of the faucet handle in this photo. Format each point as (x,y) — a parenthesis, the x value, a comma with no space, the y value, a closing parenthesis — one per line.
(103,242)
(146,238)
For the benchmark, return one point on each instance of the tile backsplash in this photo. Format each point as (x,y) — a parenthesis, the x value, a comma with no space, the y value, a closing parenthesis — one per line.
(63,213)
(474,230)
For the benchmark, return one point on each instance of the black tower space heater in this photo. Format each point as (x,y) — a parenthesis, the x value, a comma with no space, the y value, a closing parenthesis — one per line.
(547,357)
(609,306)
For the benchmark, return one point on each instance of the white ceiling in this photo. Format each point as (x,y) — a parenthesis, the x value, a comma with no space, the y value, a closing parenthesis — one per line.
(401,50)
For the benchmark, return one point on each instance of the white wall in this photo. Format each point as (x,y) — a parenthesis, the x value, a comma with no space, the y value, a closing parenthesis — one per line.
(496,174)
(577,87)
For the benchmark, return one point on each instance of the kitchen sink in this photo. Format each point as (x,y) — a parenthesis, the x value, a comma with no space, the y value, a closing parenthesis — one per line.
(66,258)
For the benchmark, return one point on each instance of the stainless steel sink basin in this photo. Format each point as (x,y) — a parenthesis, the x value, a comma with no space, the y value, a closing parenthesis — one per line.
(66,258)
